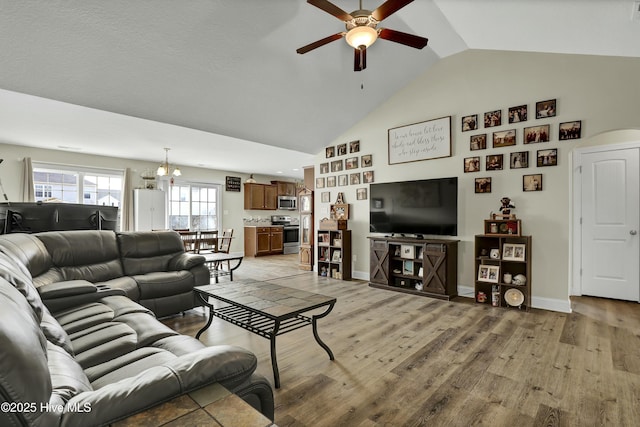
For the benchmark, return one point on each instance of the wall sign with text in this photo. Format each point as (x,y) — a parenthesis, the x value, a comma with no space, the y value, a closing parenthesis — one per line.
(420,141)
(233,183)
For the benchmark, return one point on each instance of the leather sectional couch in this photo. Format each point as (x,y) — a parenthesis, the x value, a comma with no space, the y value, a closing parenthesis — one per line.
(77,350)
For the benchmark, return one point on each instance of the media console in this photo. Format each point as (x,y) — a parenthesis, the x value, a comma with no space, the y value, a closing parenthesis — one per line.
(427,267)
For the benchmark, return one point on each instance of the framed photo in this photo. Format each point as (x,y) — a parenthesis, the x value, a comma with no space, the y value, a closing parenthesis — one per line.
(494,162)
(361,194)
(504,138)
(337,255)
(336,166)
(470,122)
(532,182)
(324,167)
(354,146)
(546,109)
(331,181)
(377,203)
(366,161)
(342,149)
(488,273)
(325,196)
(367,177)
(420,141)
(319,182)
(478,142)
(492,118)
(518,114)
(340,211)
(570,130)
(519,159)
(354,178)
(535,134)
(351,163)
(472,164)
(407,268)
(513,252)
(547,157)
(483,185)
(330,152)
(407,251)
(343,180)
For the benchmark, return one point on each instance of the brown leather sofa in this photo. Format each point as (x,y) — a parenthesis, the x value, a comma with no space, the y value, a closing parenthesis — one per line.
(94,356)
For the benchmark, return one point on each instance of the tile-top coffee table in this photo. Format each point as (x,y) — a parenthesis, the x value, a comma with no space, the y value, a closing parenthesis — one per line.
(266,309)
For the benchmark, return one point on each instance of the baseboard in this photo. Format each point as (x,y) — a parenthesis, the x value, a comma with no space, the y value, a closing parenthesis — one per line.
(361,275)
(536,302)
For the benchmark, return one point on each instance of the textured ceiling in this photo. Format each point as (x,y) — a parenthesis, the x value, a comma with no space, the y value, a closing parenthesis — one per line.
(220,83)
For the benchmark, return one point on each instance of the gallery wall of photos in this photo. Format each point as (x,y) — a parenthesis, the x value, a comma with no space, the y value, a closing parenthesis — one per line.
(532,130)
(344,166)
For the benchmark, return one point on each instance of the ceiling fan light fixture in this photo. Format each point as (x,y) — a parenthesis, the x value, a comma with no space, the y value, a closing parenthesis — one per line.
(361,36)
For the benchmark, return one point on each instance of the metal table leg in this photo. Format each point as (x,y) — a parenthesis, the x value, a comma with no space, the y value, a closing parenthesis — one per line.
(205,301)
(314,321)
(274,362)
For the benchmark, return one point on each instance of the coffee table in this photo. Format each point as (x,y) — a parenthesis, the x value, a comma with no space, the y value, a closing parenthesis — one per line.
(266,309)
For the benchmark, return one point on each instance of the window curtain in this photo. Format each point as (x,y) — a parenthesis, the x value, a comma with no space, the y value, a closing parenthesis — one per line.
(126,208)
(28,191)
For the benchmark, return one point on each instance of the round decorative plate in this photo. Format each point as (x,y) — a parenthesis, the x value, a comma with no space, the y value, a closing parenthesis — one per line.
(514,297)
(504,228)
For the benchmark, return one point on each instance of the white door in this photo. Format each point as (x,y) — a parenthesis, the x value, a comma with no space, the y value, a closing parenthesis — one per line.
(610,220)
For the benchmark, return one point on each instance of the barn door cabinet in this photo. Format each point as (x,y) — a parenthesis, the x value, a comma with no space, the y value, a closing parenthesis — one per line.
(426,267)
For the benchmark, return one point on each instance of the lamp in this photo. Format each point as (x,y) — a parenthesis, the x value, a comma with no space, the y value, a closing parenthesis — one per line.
(361,36)
(250,180)
(163,169)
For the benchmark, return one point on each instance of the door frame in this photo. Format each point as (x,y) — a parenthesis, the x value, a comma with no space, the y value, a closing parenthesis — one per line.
(575,277)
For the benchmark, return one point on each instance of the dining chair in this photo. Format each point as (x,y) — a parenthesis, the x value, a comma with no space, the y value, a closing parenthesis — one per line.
(224,243)
(190,240)
(208,241)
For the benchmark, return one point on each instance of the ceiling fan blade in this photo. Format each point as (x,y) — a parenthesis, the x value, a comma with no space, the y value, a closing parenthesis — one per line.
(388,8)
(403,38)
(359,59)
(331,9)
(322,42)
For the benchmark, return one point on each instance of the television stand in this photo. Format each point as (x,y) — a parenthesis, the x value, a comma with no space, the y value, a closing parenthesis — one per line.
(414,265)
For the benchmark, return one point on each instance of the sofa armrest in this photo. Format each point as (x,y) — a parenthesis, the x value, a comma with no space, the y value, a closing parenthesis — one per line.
(58,296)
(185,261)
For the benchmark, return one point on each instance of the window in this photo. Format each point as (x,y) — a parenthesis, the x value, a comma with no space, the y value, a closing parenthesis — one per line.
(74,184)
(194,206)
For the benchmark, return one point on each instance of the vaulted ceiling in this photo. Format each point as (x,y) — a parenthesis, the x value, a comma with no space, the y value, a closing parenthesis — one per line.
(220,82)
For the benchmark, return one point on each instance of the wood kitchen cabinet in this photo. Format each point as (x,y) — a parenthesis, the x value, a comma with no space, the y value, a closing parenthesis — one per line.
(260,196)
(285,188)
(260,241)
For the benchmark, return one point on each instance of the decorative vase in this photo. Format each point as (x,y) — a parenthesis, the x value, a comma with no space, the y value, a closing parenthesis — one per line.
(507,278)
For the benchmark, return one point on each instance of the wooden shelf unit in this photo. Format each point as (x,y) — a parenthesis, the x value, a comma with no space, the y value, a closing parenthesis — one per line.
(483,246)
(334,253)
(396,264)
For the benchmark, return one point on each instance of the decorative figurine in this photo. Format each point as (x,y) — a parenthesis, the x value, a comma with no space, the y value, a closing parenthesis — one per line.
(507,205)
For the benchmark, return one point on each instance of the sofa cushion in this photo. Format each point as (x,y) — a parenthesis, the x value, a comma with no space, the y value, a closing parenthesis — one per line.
(54,332)
(126,366)
(161,284)
(17,275)
(144,252)
(67,377)
(84,254)
(29,251)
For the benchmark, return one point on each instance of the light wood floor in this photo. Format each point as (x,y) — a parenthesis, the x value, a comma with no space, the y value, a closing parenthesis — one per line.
(407,360)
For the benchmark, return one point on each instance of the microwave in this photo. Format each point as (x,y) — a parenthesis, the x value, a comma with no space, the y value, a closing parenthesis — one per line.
(288,203)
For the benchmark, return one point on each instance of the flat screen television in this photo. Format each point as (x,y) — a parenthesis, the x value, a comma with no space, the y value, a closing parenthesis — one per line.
(423,207)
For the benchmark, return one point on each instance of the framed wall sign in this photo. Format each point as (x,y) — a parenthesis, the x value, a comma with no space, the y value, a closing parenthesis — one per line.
(232,183)
(420,141)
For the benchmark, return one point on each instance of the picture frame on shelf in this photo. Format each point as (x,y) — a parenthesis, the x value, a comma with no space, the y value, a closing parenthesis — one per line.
(535,134)
(478,142)
(492,118)
(407,268)
(488,273)
(532,182)
(469,122)
(407,251)
(472,164)
(366,161)
(547,157)
(545,109)
(514,252)
(504,138)
(336,256)
(518,114)
(519,160)
(483,185)
(570,130)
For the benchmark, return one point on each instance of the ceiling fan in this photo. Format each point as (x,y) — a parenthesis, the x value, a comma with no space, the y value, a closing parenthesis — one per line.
(362,29)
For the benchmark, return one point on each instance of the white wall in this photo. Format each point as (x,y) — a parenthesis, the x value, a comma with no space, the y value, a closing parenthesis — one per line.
(232,202)
(603,92)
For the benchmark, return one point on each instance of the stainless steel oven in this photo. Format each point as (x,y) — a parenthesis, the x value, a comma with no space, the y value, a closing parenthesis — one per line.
(290,233)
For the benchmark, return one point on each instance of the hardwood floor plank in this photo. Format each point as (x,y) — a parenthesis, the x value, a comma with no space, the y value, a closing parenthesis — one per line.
(405,360)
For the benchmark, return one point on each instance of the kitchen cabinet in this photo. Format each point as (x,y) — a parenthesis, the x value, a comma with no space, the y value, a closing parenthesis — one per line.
(260,241)
(285,188)
(149,210)
(260,196)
